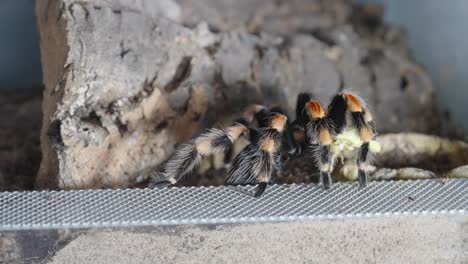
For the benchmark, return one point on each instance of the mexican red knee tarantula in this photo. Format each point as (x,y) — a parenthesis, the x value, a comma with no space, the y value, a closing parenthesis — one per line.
(315,130)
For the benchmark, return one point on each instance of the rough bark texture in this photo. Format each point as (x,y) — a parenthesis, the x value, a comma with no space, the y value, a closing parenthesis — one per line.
(126,80)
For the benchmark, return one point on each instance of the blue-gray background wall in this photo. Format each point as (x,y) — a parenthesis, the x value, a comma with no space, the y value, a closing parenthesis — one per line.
(20,66)
(438,36)
(438,32)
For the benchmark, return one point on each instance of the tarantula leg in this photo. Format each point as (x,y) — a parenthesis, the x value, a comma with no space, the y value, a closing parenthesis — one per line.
(272,138)
(254,137)
(187,157)
(183,162)
(320,133)
(160,184)
(326,179)
(301,113)
(240,172)
(298,126)
(362,178)
(228,157)
(365,131)
(260,189)
(255,163)
(362,159)
(326,166)
(251,112)
(289,147)
(262,167)
(336,111)
(364,124)
(157,180)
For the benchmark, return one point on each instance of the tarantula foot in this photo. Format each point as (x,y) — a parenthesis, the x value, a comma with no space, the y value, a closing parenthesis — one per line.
(260,189)
(362,178)
(326,180)
(160,184)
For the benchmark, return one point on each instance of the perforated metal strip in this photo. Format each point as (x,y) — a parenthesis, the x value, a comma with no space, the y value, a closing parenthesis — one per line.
(201,205)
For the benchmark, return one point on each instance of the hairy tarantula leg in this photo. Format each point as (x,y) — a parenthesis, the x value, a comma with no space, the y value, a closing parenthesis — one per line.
(256,162)
(298,126)
(254,137)
(326,180)
(263,165)
(240,172)
(182,162)
(325,163)
(160,184)
(326,166)
(187,157)
(228,157)
(251,112)
(301,113)
(269,146)
(157,180)
(362,159)
(336,111)
(362,120)
(320,133)
(260,189)
(289,147)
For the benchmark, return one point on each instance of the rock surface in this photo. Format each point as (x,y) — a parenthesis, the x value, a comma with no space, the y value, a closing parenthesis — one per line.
(422,151)
(127,80)
(459,172)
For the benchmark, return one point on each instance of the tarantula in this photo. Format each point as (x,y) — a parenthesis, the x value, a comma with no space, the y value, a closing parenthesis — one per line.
(315,130)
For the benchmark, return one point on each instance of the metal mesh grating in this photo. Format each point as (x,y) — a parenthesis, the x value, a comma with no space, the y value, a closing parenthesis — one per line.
(199,205)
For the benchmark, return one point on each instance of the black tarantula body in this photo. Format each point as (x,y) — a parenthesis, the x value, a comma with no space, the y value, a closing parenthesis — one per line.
(349,111)
(257,161)
(320,133)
